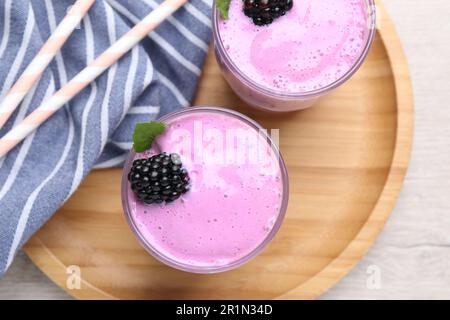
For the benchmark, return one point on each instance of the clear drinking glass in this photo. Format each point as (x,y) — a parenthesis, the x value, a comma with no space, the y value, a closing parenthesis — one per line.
(268,99)
(126,193)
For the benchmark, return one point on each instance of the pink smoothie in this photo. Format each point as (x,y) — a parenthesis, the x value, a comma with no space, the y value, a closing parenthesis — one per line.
(316,43)
(233,202)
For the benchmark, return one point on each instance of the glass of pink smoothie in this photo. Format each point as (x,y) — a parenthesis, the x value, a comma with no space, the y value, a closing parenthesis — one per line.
(237,199)
(306,53)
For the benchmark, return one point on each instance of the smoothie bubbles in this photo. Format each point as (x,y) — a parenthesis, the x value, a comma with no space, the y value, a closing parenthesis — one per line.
(282,55)
(209,193)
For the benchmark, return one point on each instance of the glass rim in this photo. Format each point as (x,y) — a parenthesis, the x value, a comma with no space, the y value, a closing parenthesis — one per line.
(207,269)
(218,45)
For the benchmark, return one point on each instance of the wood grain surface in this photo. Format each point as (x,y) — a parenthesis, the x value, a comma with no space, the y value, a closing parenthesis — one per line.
(413,250)
(346,159)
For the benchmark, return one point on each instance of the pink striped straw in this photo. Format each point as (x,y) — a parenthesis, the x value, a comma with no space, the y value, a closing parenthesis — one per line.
(88,74)
(48,51)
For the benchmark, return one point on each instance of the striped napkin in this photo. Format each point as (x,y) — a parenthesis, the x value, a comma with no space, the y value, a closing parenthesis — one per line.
(94,129)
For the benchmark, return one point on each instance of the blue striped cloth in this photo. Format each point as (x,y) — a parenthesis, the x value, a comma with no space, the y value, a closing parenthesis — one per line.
(95,128)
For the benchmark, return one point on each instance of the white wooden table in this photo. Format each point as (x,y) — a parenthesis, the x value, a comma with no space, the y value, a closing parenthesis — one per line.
(413,251)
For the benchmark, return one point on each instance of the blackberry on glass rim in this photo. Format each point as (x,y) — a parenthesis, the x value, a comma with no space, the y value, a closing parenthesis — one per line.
(159,178)
(263,12)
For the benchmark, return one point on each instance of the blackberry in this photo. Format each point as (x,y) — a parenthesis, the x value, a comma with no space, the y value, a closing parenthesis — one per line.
(159,178)
(263,12)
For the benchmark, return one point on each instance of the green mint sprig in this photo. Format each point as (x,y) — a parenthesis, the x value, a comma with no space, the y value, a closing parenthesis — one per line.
(145,133)
(223,6)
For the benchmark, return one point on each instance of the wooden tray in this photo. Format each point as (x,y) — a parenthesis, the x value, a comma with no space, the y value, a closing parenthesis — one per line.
(346,156)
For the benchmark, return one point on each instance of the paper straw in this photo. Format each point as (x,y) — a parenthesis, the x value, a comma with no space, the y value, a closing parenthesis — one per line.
(88,74)
(37,66)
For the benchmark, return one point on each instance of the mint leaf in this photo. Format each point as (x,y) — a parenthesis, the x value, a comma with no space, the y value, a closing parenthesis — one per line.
(223,6)
(145,133)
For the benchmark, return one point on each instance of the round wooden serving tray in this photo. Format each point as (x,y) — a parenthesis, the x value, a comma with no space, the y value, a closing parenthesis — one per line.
(347,157)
